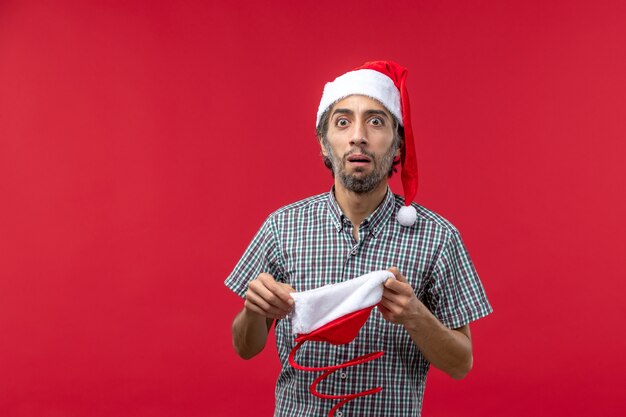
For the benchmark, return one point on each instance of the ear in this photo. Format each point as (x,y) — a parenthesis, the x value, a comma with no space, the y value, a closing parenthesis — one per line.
(398,153)
(322,147)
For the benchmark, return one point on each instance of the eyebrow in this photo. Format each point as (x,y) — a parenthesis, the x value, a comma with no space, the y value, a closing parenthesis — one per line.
(367,112)
(342,111)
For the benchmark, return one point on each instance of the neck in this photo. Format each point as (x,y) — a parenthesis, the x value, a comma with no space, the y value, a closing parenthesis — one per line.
(357,207)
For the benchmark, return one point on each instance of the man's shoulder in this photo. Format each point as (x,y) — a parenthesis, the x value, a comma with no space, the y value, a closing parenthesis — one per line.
(426,216)
(310,204)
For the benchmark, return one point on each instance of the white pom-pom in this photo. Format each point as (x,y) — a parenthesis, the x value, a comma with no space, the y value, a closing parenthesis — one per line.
(407,216)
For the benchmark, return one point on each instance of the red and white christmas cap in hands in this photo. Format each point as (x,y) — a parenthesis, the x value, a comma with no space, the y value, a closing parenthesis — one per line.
(384,81)
(319,309)
(334,314)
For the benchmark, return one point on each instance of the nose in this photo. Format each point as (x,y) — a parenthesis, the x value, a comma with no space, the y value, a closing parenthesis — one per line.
(359,135)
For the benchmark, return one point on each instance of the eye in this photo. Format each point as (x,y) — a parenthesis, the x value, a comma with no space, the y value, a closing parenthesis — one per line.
(376,121)
(342,122)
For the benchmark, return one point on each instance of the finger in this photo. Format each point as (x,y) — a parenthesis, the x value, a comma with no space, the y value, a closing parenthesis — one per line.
(284,293)
(255,309)
(396,273)
(391,285)
(383,310)
(398,287)
(391,297)
(270,297)
(278,289)
(387,314)
(260,306)
(396,304)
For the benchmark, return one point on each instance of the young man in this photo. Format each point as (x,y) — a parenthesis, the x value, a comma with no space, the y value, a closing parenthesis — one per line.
(363,125)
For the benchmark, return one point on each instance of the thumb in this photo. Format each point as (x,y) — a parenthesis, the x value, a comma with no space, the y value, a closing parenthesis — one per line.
(396,273)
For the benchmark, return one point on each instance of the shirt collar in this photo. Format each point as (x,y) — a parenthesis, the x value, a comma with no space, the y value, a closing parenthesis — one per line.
(373,222)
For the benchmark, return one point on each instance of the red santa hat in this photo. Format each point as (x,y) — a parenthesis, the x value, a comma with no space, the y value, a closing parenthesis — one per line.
(314,309)
(383,81)
(334,314)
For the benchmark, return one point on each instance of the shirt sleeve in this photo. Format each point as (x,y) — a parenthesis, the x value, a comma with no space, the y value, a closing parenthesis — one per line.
(456,295)
(262,255)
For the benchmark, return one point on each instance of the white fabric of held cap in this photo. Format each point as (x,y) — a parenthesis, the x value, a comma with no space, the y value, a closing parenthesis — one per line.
(315,308)
(365,82)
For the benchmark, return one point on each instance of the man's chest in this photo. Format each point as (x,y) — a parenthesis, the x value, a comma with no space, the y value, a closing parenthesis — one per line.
(327,256)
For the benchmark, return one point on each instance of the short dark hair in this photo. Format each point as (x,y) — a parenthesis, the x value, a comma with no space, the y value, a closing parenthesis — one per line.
(321,131)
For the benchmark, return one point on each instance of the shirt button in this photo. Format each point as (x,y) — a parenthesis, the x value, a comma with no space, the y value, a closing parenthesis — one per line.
(353,252)
(339,414)
(343,375)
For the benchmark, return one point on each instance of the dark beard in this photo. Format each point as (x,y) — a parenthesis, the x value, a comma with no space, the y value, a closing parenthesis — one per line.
(366,184)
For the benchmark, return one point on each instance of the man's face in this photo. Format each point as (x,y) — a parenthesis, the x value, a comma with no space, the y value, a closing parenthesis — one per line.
(360,143)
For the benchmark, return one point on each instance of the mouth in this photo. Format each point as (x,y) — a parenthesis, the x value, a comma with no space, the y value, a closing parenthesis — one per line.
(359,159)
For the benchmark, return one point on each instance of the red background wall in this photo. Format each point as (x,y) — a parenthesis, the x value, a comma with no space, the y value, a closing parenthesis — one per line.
(143,143)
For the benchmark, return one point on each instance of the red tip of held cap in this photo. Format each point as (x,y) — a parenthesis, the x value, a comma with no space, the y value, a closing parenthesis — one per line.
(337,332)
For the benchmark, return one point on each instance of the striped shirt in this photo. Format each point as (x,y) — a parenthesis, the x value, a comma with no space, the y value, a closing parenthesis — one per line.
(310,243)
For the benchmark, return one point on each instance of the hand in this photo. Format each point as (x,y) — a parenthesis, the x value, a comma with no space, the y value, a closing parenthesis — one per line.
(399,304)
(269,298)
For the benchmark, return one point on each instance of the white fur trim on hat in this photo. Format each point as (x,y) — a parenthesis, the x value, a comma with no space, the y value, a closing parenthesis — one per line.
(365,82)
(317,307)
